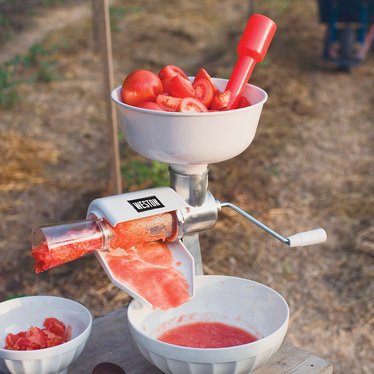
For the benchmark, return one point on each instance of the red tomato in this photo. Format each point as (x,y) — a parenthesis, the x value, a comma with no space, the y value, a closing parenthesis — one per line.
(168,103)
(169,71)
(150,105)
(243,102)
(179,87)
(202,73)
(190,104)
(220,100)
(203,90)
(140,86)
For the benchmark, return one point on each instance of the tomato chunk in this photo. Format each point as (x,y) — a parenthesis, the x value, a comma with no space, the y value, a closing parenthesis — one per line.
(150,105)
(203,91)
(220,100)
(190,104)
(36,338)
(168,103)
(179,87)
(203,74)
(243,102)
(54,333)
(55,326)
(169,71)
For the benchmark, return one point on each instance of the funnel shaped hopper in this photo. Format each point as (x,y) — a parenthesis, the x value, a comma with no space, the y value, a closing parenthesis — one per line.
(191,140)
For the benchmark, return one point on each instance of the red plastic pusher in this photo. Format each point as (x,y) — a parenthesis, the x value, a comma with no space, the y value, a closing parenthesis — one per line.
(251,49)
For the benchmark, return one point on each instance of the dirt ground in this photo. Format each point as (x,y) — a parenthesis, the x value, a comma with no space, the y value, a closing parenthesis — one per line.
(310,165)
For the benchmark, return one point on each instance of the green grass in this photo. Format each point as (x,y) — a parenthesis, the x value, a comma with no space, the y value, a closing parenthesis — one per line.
(145,174)
(37,65)
(8,92)
(117,13)
(4,20)
(275,7)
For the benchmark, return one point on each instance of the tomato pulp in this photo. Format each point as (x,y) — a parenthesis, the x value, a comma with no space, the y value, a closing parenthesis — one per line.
(144,230)
(75,244)
(136,255)
(46,259)
(207,335)
(148,270)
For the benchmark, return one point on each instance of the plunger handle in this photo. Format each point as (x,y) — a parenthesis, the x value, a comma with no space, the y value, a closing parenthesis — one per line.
(251,49)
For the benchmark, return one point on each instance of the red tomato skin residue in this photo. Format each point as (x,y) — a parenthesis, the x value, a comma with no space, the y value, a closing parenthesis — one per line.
(207,335)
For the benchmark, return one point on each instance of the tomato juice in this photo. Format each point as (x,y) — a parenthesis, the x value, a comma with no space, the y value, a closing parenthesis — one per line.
(207,335)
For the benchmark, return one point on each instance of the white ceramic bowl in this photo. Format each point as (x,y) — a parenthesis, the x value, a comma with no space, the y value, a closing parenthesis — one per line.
(191,138)
(235,301)
(20,314)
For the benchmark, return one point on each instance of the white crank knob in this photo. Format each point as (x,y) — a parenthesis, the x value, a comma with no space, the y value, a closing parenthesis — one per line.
(308,238)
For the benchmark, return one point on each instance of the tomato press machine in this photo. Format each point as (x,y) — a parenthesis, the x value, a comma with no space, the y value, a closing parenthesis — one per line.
(188,142)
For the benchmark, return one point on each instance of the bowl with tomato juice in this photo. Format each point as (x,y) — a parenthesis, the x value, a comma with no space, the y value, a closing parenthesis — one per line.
(191,138)
(25,345)
(234,309)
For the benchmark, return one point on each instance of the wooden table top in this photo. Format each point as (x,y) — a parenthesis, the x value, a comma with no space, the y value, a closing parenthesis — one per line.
(110,341)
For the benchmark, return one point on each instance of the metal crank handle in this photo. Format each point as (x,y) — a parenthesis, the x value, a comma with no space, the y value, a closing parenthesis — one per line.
(297,240)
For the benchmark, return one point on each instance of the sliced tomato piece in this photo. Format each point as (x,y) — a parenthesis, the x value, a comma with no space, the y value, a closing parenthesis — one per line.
(243,102)
(16,341)
(10,340)
(53,339)
(202,73)
(220,100)
(22,344)
(203,91)
(168,103)
(190,104)
(150,105)
(37,338)
(55,326)
(179,87)
(169,71)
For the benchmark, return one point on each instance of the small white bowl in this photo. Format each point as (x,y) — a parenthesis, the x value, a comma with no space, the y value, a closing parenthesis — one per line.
(235,301)
(20,314)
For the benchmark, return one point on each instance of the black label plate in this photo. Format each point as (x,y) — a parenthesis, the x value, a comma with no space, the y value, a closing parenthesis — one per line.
(146,203)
